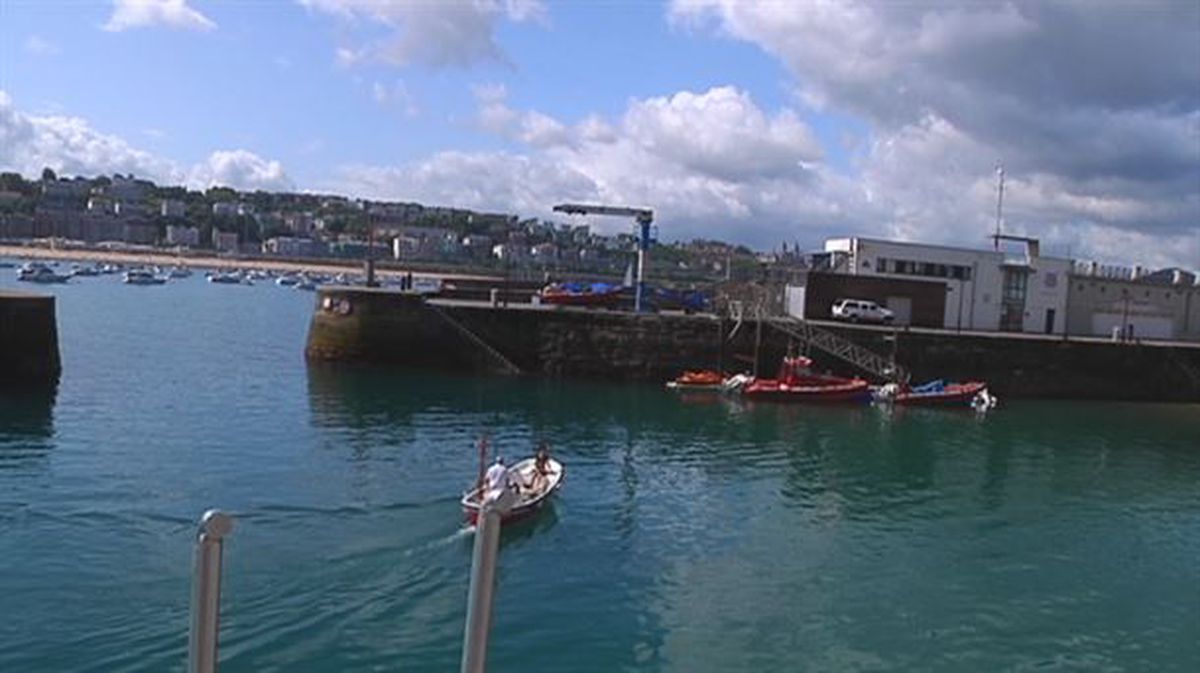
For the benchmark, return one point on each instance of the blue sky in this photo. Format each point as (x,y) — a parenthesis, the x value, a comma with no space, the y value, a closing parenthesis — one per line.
(759,122)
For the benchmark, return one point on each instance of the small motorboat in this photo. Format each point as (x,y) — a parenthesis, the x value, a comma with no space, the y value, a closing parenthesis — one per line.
(531,491)
(143,277)
(797,383)
(233,278)
(36,272)
(933,393)
(701,380)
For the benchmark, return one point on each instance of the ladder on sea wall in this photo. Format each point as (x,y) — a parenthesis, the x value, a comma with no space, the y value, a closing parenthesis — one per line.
(840,347)
(507,365)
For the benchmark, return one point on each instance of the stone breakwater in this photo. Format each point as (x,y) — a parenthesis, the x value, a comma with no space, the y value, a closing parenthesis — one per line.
(382,326)
(28,340)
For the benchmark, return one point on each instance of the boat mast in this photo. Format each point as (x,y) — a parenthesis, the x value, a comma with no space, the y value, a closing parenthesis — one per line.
(999,204)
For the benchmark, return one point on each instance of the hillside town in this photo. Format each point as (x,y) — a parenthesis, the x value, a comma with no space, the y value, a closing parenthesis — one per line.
(1011,287)
(123,210)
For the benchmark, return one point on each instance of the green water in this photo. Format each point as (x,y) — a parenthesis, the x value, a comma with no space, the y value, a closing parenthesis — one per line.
(692,534)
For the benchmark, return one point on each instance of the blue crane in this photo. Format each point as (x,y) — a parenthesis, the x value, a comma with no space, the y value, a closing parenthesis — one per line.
(643,216)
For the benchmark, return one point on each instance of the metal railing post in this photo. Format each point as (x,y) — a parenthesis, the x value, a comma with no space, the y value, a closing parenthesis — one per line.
(206,592)
(483,582)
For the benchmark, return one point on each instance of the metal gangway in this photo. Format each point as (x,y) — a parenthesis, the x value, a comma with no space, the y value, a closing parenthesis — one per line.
(840,347)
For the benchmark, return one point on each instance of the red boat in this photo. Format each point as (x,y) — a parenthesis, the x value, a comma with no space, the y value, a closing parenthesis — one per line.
(579,294)
(936,393)
(797,383)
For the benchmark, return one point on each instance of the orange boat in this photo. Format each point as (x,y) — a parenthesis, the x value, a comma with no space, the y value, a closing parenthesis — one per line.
(698,380)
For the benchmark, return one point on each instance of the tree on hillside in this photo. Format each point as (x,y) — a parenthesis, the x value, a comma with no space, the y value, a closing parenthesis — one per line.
(13,182)
(221,194)
(48,175)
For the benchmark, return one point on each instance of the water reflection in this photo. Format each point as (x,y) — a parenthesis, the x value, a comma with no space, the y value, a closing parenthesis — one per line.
(26,424)
(516,534)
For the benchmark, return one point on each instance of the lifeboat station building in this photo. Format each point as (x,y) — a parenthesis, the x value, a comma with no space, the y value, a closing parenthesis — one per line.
(940,286)
(1131,303)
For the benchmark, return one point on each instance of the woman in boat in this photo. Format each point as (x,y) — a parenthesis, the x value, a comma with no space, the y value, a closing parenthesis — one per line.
(541,468)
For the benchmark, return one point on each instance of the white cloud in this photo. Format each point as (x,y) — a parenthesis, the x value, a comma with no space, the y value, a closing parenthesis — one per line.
(240,169)
(39,46)
(1096,137)
(692,156)
(70,146)
(395,95)
(144,13)
(437,34)
(722,133)
(716,164)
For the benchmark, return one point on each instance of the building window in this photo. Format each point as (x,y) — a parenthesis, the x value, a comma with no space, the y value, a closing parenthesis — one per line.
(1015,284)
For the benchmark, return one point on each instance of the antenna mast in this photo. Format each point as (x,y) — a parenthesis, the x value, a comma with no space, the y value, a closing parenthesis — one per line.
(999,204)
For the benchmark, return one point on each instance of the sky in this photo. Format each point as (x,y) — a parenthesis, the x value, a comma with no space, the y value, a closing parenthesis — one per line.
(762,123)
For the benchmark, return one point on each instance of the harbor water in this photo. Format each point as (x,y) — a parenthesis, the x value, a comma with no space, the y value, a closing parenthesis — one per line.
(692,533)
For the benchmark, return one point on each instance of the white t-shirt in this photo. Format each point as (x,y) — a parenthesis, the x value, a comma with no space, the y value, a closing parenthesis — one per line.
(496,477)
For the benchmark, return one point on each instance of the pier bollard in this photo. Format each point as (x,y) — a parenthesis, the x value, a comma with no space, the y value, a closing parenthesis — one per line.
(483,581)
(206,592)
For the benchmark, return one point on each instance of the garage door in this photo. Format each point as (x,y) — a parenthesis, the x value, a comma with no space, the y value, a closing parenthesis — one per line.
(902,307)
(1141,326)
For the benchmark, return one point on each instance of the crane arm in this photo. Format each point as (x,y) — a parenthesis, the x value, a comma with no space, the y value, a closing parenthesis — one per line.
(642,215)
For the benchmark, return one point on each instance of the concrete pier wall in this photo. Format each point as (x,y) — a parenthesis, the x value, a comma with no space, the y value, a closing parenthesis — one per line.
(360,325)
(28,340)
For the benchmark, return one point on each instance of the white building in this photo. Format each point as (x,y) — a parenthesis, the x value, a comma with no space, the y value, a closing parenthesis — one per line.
(510,252)
(1130,302)
(225,241)
(180,235)
(985,289)
(301,224)
(287,246)
(172,208)
(129,189)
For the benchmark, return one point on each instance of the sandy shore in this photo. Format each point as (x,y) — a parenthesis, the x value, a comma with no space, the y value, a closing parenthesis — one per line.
(208,261)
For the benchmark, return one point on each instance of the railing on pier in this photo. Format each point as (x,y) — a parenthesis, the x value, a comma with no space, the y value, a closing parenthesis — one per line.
(206,592)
